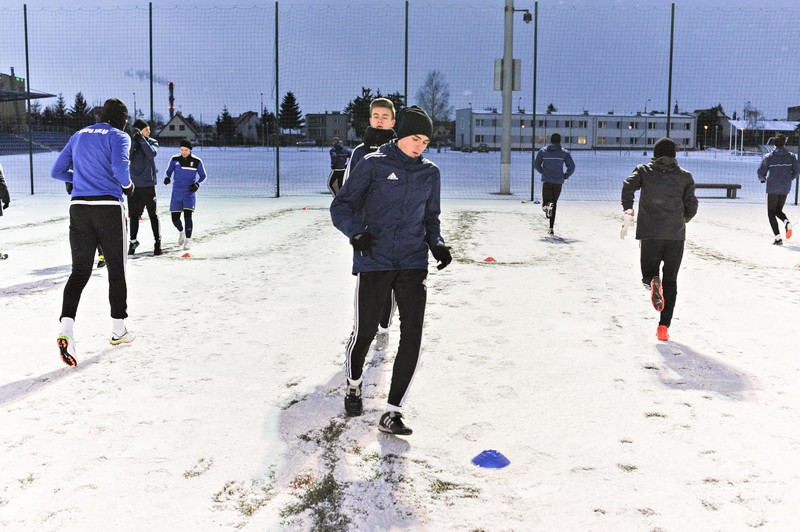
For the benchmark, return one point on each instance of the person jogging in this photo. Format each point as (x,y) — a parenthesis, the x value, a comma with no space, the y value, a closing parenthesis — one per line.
(778,169)
(94,165)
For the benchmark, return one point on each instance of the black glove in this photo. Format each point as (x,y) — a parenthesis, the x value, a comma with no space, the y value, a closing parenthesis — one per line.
(362,242)
(194,187)
(128,191)
(6,203)
(442,255)
(167,180)
(69,187)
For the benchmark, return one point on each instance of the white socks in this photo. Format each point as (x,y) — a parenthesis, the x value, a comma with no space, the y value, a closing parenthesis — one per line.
(68,326)
(118,327)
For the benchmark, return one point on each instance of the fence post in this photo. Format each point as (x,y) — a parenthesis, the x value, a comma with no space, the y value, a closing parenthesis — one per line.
(669,86)
(277,114)
(28,95)
(533,116)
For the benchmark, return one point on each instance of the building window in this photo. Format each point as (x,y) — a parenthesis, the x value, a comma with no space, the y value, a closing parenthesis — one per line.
(182,127)
(602,124)
(542,123)
(479,138)
(568,123)
(542,139)
(581,140)
(583,123)
(687,126)
(172,127)
(651,125)
(601,141)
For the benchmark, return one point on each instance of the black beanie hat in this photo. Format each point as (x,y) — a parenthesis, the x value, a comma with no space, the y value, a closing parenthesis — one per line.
(780,140)
(140,124)
(555,138)
(664,146)
(414,121)
(185,143)
(115,112)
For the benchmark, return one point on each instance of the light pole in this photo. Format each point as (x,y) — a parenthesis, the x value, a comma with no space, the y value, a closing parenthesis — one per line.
(705,132)
(716,132)
(263,132)
(507,89)
(521,127)
(134,107)
(645,105)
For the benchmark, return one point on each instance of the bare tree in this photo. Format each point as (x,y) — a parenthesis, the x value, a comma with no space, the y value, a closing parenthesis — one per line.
(434,97)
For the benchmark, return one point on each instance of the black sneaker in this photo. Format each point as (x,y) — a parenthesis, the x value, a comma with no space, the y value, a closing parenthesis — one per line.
(392,423)
(133,246)
(353,405)
(657,294)
(157,248)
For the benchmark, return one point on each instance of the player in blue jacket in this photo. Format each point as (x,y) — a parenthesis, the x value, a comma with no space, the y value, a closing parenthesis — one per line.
(551,162)
(189,173)
(389,209)
(778,169)
(143,172)
(379,132)
(94,165)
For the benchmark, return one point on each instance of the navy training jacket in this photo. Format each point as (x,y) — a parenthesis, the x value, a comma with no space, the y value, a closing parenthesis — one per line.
(550,162)
(396,199)
(782,167)
(143,161)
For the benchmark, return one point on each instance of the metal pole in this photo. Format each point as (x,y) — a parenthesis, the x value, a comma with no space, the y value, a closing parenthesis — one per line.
(152,99)
(405,67)
(277,114)
(508,59)
(533,115)
(669,88)
(28,96)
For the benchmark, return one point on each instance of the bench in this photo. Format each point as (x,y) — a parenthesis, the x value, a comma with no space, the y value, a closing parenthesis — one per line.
(731,188)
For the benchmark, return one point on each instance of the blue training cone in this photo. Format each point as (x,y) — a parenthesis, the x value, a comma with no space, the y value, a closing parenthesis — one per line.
(491,459)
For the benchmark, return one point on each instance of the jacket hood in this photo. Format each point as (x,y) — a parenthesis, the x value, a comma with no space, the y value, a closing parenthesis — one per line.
(553,147)
(664,163)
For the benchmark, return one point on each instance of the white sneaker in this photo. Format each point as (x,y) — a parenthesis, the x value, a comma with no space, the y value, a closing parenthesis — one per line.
(381,341)
(126,338)
(187,244)
(182,238)
(66,347)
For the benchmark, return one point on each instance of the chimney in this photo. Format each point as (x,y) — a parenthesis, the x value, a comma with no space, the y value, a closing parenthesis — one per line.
(171,99)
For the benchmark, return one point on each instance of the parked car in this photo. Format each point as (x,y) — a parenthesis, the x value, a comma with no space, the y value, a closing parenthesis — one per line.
(306,143)
(482,148)
(466,149)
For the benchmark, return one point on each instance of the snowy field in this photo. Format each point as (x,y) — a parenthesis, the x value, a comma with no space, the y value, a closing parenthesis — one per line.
(248,172)
(226,412)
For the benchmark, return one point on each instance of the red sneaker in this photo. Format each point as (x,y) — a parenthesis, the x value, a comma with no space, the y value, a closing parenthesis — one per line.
(657,294)
(662,333)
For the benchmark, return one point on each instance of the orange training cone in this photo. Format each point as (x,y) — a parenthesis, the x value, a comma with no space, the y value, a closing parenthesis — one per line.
(186,255)
(489,259)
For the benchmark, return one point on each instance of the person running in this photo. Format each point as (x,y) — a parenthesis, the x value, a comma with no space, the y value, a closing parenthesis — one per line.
(339,157)
(550,162)
(5,201)
(379,132)
(389,209)
(95,165)
(144,174)
(189,172)
(666,203)
(778,169)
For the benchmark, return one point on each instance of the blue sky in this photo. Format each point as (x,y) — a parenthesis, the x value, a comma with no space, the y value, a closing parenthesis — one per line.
(595,56)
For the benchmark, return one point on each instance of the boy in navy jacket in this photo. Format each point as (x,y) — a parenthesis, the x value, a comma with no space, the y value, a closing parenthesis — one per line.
(389,209)
(189,172)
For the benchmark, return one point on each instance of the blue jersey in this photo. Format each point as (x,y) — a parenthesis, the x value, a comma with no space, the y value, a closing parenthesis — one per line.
(95,161)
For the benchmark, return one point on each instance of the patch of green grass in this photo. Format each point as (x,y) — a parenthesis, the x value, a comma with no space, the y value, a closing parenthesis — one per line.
(246,498)
(627,467)
(323,498)
(199,468)
(440,487)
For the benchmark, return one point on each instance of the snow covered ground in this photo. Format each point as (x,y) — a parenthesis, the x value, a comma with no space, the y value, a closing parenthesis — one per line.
(226,412)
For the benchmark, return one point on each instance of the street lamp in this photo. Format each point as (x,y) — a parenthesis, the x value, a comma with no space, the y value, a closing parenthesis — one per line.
(705,132)
(263,132)
(645,105)
(521,127)
(134,107)
(716,132)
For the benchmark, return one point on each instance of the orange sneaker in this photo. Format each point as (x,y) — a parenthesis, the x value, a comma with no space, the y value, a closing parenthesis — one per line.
(788,230)
(662,333)
(657,294)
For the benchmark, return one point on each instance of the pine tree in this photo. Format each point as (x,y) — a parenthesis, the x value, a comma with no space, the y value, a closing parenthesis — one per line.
(60,112)
(358,109)
(80,114)
(290,116)
(225,128)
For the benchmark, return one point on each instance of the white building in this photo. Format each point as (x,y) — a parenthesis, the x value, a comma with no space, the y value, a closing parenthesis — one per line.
(579,131)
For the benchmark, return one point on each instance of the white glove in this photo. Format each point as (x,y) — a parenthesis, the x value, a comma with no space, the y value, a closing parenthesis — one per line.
(627,221)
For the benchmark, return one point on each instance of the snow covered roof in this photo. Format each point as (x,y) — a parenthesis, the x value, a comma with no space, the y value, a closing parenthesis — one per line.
(766,125)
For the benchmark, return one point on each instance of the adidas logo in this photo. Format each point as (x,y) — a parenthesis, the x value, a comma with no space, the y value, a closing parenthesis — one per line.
(392,177)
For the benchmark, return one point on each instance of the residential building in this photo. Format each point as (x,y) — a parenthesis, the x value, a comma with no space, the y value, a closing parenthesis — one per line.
(176,129)
(322,127)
